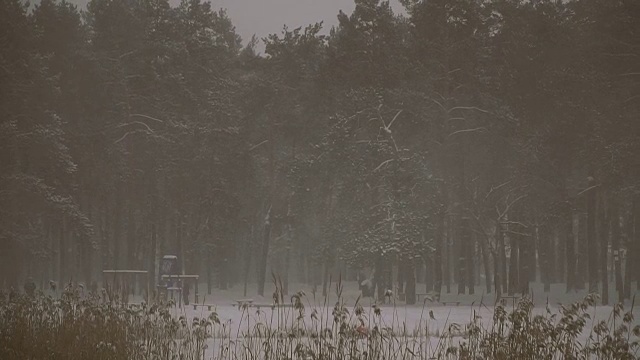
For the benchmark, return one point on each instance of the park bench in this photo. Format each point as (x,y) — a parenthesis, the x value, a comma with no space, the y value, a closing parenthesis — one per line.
(445,303)
(513,298)
(209,306)
(243,302)
(249,303)
(424,296)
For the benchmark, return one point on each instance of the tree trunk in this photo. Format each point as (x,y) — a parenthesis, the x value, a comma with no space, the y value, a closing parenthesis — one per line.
(545,257)
(438,255)
(401,277)
(429,273)
(469,249)
(117,226)
(462,242)
(378,278)
(497,277)
(603,235)
(247,261)
(179,242)
(581,252)
(633,237)
(486,264)
(500,263)
(285,272)
(266,237)
(153,266)
(592,244)
(209,272)
(447,253)
(615,247)
(570,252)
(129,246)
(636,240)
(62,250)
(325,279)
(410,293)
(558,255)
(525,260)
(513,265)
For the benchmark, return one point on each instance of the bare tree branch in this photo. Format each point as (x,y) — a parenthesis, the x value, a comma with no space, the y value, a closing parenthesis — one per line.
(587,189)
(130,133)
(257,145)
(147,117)
(510,205)
(394,119)
(468,108)
(465,131)
(495,189)
(383,164)
(136,122)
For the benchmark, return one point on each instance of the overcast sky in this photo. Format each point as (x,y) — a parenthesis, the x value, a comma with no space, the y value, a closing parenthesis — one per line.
(263,17)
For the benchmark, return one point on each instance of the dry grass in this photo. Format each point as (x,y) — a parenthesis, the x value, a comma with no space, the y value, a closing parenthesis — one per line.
(95,327)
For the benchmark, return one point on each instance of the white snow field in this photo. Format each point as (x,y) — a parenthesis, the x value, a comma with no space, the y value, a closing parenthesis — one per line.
(425,326)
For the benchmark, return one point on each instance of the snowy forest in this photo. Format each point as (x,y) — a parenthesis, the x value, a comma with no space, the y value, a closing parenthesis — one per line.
(459,143)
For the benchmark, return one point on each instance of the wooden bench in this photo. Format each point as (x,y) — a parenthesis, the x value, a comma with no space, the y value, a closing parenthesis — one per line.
(450,302)
(209,306)
(513,298)
(243,302)
(430,296)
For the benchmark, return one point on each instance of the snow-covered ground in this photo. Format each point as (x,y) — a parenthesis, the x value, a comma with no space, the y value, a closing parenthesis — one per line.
(350,294)
(413,321)
(410,321)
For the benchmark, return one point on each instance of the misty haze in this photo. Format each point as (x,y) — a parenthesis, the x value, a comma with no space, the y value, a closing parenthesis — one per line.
(344,179)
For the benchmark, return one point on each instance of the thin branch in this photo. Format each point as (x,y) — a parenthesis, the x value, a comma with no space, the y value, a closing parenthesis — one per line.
(382,164)
(517,233)
(510,205)
(631,98)
(439,104)
(136,122)
(511,222)
(394,119)
(255,146)
(466,130)
(147,117)
(620,55)
(129,133)
(587,189)
(468,108)
(496,188)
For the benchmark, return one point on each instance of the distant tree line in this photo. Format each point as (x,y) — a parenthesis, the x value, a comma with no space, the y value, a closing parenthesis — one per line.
(464,142)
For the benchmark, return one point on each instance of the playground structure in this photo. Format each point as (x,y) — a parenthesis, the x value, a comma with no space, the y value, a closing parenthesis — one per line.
(180,284)
(172,283)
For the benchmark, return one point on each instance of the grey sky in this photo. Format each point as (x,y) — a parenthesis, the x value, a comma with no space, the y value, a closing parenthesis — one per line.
(263,17)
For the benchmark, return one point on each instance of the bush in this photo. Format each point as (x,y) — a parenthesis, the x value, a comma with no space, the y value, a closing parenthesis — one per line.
(88,327)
